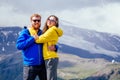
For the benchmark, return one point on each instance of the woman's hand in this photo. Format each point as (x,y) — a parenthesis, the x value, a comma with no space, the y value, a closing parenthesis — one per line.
(52,48)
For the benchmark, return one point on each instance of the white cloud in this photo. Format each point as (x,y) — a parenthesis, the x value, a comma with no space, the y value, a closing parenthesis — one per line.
(102,18)
(11,18)
(98,15)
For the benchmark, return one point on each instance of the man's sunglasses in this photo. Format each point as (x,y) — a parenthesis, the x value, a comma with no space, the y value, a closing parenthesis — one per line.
(36,20)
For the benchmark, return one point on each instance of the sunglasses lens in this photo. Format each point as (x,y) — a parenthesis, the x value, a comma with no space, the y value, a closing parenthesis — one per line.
(51,20)
(36,20)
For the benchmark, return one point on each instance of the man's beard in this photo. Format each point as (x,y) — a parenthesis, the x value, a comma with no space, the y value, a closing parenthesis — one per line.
(36,27)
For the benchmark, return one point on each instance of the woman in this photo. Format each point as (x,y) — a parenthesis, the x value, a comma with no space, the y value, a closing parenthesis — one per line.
(50,36)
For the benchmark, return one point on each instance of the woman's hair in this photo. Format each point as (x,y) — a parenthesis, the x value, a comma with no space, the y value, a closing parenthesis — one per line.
(45,28)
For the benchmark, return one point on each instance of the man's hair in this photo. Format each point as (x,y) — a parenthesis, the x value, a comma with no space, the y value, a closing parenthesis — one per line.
(35,15)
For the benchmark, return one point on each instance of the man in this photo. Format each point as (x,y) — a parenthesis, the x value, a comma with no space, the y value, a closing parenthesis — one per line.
(32,52)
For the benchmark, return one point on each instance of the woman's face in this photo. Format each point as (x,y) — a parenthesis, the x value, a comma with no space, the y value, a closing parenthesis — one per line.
(51,21)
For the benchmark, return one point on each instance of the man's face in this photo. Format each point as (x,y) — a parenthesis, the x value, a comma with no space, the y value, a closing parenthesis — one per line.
(36,22)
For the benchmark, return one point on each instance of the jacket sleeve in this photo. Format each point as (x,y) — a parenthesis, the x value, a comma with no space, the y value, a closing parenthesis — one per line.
(51,34)
(47,36)
(24,40)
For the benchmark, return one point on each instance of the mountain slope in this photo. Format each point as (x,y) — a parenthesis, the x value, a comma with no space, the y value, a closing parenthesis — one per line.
(81,46)
(92,43)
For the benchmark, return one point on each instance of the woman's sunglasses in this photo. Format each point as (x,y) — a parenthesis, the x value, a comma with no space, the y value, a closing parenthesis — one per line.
(52,20)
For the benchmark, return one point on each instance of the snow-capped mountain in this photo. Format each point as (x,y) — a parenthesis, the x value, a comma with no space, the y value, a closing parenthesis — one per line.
(8,36)
(76,41)
(82,42)
(90,43)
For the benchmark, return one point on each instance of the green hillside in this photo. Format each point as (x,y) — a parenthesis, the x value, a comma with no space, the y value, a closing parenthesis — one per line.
(76,68)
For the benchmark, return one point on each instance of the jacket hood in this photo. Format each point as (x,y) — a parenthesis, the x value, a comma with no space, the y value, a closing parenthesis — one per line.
(59,31)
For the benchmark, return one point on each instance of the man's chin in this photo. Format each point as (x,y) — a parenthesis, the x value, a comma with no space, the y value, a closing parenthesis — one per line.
(37,27)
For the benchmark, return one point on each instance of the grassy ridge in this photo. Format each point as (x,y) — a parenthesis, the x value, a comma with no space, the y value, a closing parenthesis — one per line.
(81,68)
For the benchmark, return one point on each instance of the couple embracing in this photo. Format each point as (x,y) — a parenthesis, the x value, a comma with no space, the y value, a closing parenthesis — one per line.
(39,49)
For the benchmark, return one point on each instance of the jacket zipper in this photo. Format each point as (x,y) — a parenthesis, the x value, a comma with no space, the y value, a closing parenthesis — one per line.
(39,54)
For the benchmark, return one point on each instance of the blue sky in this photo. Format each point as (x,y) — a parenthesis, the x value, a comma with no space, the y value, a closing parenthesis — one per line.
(100,15)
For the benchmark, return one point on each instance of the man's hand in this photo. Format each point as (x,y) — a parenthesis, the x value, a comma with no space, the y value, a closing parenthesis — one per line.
(52,48)
(35,36)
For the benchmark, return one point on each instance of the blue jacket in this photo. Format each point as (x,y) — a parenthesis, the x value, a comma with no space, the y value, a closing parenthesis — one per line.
(32,52)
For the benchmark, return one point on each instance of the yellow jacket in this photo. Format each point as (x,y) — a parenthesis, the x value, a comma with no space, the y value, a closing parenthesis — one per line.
(50,37)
